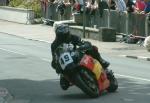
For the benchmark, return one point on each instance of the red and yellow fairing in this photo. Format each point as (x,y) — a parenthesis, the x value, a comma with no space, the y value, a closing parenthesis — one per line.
(94,66)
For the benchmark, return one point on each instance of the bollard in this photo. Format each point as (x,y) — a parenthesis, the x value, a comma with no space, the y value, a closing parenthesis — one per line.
(146,24)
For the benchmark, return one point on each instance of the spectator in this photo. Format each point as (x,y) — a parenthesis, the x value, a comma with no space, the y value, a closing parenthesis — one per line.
(51,1)
(78,6)
(50,11)
(102,4)
(139,6)
(147,7)
(112,4)
(121,5)
(44,4)
(130,6)
(67,2)
(91,7)
(61,9)
(72,3)
(68,12)
(80,1)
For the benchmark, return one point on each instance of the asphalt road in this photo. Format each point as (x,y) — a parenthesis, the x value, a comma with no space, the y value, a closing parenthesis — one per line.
(26,72)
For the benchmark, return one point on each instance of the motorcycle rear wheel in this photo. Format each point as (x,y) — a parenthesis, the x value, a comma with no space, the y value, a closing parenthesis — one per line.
(86,81)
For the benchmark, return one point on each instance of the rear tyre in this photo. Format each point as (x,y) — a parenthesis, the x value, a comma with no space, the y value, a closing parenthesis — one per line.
(86,81)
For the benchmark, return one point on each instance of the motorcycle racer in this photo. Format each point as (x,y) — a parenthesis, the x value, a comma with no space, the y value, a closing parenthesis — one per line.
(63,36)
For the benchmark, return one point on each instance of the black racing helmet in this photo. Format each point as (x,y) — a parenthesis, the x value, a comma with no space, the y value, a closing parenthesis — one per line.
(62,31)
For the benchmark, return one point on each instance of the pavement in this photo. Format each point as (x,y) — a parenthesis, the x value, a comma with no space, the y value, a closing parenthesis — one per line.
(44,33)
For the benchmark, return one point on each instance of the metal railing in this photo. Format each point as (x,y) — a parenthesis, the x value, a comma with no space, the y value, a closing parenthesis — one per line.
(126,23)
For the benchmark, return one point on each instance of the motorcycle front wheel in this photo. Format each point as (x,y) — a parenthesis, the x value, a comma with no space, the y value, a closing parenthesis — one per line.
(113,82)
(87,82)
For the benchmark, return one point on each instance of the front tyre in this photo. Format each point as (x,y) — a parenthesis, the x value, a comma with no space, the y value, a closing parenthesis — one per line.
(86,81)
(113,82)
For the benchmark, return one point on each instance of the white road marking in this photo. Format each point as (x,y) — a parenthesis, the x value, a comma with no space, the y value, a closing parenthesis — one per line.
(47,60)
(11,51)
(126,76)
(133,77)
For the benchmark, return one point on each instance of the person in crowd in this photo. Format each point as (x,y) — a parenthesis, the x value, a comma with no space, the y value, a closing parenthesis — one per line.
(78,6)
(91,6)
(112,4)
(102,4)
(147,7)
(130,6)
(44,4)
(67,2)
(67,14)
(121,5)
(63,8)
(139,6)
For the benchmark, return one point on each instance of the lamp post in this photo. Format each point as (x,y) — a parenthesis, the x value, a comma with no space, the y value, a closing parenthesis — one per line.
(28,1)
(84,19)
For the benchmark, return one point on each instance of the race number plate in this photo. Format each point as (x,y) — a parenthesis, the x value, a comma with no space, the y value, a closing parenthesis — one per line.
(65,59)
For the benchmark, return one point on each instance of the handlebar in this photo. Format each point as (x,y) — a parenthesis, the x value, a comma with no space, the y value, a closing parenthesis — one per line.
(86,46)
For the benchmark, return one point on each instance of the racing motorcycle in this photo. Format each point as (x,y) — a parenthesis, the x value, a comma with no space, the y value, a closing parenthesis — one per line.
(83,70)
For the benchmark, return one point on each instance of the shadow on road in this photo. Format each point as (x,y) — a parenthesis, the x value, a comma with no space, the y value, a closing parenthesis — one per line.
(49,90)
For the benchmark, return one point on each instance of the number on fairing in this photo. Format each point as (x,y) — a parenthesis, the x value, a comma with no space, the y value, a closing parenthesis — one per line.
(65,59)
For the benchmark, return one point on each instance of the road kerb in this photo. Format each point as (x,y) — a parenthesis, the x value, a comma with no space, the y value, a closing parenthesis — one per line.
(136,57)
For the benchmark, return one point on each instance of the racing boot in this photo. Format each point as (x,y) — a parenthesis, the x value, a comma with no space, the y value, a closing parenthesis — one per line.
(64,83)
(97,56)
(103,62)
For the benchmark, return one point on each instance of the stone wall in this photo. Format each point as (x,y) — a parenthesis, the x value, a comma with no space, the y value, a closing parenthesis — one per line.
(101,34)
(18,15)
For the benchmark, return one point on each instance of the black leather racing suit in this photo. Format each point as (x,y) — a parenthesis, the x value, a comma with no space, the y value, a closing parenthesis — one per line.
(75,40)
